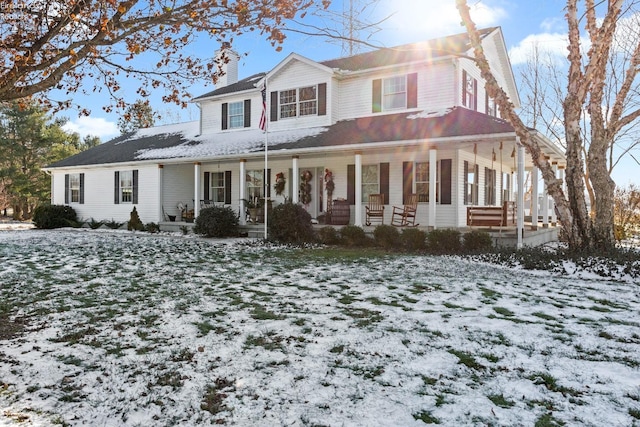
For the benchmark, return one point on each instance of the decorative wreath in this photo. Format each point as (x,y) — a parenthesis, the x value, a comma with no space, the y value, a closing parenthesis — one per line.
(328,182)
(305,186)
(280,183)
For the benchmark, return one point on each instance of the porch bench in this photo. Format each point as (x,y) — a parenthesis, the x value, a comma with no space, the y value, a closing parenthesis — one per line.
(492,216)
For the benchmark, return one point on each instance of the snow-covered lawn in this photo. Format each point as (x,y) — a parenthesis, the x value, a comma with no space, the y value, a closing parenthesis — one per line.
(126,329)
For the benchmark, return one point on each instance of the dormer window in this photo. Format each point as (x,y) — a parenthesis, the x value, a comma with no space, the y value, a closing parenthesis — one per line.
(395,93)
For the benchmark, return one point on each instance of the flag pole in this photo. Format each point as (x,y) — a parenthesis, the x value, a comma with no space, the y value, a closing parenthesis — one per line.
(266,157)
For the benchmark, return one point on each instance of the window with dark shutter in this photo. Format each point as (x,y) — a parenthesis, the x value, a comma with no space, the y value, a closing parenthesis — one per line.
(227,187)
(445,181)
(247,113)
(66,188)
(412,90)
(384,182)
(376,101)
(322,99)
(351,184)
(273,116)
(207,186)
(135,187)
(81,188)
(407,181)
(225,116)
(116,188)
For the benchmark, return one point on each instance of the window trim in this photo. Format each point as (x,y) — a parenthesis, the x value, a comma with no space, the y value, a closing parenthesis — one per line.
(125,176)
(238,116)
(365,195)
(296,104)
(427,182)
(214,190)
(386,96)
(72,180)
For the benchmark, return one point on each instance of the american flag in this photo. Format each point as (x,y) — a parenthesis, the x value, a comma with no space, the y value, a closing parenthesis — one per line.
(263,116)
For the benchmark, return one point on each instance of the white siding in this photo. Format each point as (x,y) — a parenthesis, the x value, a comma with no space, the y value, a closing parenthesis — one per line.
(99,190)
(294,75)
(435,89)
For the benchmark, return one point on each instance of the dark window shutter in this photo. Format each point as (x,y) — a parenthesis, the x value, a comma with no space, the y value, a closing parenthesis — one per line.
(82,188)
(322,99)
(445,181)
(116,188)
(274,107)
(207,185)
(464,88)
(225,116)
(407,180)
(412,90)
(487,173)
(465,177)
(476,179)
(376,101)
(384,182)
(227,187)
(135,186)
(247,113)
(66,188)
(351,184)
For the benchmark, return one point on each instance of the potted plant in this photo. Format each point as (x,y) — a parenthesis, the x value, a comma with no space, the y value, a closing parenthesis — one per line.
(253,205)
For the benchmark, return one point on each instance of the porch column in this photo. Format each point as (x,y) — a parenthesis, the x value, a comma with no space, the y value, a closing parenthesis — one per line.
(534,198)
(358,201)
(545,207)
(295,179)
(196,189)
(161,193)
(243,194)
(520,201)
(554,219)
(433,162)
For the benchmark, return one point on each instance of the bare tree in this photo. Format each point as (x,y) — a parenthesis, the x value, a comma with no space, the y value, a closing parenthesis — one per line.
(67,45)
(586,90)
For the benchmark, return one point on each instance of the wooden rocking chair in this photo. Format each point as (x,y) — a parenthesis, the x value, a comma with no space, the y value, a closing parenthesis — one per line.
(375,208)
(406,215)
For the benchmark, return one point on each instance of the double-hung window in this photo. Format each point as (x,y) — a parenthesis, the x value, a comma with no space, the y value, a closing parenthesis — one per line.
(299,102)
(255,184)
(370,181)
(422,180)
(288,103)
(394,93)
(236,115)
(469,91)
(217,188)
(126,187)
(74,187)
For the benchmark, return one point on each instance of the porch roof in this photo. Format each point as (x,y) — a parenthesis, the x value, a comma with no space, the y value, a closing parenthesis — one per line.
(183,141)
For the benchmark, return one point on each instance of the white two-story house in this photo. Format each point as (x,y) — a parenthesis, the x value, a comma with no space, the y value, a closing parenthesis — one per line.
(414,119)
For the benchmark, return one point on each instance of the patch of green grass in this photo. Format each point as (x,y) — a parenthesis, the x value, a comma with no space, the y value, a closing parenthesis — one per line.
(337,349)
(489,294)
(544,316)
(551,384)
(76,336)
(499,400)
(270,341)
(458,307)
(635,413)
(261,313)
(426,417)
(504,311)
(363,316)
(547,420)
(467,360)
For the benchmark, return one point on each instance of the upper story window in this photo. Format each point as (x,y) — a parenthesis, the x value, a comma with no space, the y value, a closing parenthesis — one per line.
(236,115)
(394,93)
(301,102)
(469,91)
(74,188)
(491,108)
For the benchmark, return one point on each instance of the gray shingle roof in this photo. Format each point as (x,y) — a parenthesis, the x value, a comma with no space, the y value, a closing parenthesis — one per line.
(182,141)
(239,86)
